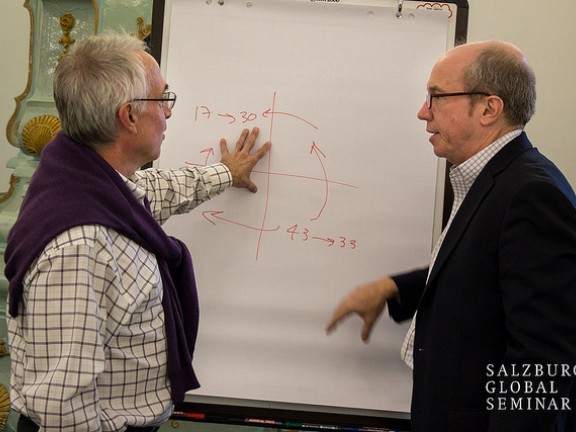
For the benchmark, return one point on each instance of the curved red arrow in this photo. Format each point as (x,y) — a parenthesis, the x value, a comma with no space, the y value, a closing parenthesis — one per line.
(210,214)
(318,152)
(269,112)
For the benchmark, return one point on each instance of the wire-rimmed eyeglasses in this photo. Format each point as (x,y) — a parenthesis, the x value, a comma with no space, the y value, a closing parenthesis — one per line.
(168,99)
(431,96)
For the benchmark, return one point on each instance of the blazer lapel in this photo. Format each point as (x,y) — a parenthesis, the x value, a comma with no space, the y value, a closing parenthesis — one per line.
(482,186)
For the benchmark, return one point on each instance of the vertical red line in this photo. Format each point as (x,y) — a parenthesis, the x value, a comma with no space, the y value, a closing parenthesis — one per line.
(267,178)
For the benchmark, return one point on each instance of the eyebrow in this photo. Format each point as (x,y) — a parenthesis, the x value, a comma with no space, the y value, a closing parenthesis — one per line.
(434,89)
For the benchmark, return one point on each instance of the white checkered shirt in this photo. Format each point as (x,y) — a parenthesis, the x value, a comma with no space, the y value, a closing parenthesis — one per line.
(461,178)
(87,347)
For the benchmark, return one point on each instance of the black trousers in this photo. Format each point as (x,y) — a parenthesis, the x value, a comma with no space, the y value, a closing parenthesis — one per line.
(27,425)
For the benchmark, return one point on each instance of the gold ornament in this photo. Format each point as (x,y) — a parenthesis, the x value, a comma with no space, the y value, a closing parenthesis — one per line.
(144,30)
(4,406)
(67,23)
(38,131)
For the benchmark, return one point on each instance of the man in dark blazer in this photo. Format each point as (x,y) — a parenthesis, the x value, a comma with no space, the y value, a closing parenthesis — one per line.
(493,341)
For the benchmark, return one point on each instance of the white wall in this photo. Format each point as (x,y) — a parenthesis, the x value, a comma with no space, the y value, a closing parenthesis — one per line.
(544,31)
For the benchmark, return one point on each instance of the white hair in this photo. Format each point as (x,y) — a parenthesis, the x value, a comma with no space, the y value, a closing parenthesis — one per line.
(93,80)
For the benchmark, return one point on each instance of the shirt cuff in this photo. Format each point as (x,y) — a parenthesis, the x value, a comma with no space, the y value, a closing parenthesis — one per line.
(219,175)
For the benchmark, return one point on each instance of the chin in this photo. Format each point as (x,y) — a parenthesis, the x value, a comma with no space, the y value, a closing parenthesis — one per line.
(153,156)
(437,152)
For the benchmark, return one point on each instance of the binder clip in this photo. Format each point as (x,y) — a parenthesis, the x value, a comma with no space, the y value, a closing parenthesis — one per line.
(399,11)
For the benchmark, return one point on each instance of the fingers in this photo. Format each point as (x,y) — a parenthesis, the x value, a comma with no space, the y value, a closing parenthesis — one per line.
(367,330)
(224,147)
(337,317)
(367,301)
(247,140)
(331,325)
(242,139)
(246,143)
(340,315)
(251,186)
(241,160)
(259,154)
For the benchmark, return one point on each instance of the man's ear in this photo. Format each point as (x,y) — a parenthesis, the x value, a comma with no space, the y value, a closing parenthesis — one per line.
(493,110)
(127,117)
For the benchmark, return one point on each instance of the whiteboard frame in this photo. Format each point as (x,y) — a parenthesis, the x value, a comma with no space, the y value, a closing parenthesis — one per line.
(280,415)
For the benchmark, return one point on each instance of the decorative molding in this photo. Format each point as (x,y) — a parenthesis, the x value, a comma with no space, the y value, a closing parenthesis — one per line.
(67,23)
(144,30)
(38,132)
(6,195)
(4,406)
(14,123)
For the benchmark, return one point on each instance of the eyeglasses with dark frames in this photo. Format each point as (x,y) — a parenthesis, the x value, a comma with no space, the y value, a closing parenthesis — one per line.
(431,96)
(168,99)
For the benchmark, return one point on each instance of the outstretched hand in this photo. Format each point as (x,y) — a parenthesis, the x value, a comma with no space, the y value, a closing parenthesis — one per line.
(240,161)
(368,301)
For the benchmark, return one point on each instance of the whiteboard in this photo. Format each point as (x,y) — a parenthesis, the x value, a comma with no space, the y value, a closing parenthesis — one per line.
(346,194)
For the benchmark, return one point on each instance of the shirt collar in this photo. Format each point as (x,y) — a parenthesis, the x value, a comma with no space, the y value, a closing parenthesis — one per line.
(463,176)
(138,191)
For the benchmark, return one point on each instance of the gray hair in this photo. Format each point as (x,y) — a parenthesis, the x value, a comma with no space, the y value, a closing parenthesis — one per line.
(93,80)
(503,71)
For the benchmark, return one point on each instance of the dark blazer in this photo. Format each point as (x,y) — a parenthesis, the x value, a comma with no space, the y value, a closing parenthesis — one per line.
(502,292)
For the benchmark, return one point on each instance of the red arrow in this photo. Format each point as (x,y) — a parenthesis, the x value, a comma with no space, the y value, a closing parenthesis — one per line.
(269,111)
(327,240)
(208,214)
(230,116)
(209,151)
(318,152)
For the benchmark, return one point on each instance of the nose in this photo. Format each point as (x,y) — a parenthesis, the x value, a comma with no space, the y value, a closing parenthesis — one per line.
(424,113)
(167,111)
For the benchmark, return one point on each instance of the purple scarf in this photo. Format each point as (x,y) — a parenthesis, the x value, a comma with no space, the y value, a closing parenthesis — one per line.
(74,186)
